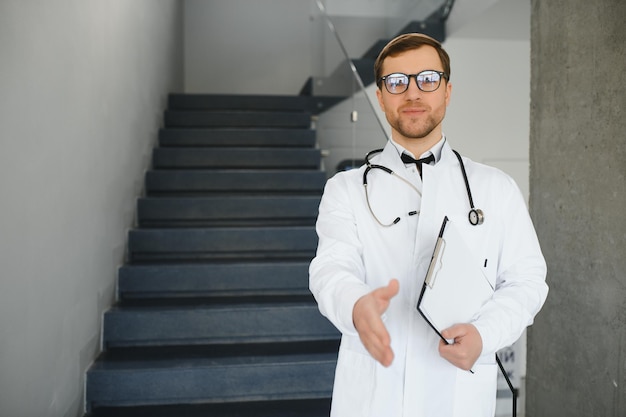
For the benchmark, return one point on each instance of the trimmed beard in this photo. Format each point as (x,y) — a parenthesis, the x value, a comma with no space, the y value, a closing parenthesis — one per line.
(412,129)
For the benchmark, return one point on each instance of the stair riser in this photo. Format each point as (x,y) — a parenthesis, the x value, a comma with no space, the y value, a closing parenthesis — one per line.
(198,210)
(213,280)
(228,325)
(214,384)
(236,158)
(237,137)
(251,102)
(216,243)
(236,102)
(237,119)
(234,181)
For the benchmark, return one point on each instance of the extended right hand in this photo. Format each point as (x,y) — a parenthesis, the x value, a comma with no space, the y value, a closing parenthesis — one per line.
(366,316)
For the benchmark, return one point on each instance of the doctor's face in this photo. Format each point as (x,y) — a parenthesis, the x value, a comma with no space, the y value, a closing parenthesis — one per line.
(415,114)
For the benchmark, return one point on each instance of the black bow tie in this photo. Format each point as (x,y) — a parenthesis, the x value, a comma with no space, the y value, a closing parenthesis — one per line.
(418,162)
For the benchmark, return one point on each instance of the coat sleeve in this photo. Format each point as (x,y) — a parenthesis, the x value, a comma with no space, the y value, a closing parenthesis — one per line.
(520,289)
(337,273)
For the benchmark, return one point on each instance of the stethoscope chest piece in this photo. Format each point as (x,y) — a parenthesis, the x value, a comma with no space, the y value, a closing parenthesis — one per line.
(476,217)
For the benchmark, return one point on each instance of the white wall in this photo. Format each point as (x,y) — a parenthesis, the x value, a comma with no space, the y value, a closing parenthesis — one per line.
(491,125)
(273,46)
(262,45)
(490,121)
(82,89)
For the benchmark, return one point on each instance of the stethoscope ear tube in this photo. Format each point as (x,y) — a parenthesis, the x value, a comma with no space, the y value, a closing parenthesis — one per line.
(371,166)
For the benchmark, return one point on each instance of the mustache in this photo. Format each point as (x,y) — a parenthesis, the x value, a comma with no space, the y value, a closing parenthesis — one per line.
(414,106)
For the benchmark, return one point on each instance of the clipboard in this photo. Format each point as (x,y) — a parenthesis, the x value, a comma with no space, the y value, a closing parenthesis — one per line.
(455,286)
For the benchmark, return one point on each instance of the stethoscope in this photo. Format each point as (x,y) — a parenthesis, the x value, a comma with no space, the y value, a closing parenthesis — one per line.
(475,215)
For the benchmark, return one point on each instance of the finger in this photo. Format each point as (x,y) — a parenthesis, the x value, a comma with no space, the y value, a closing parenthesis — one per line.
(377,330)
(381,352)
(377,341)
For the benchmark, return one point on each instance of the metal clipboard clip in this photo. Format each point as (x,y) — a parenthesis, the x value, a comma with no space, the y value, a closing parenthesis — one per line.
(435,262)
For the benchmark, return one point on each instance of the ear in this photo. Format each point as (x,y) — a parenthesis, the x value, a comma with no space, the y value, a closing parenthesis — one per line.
(448,93)
(379,96)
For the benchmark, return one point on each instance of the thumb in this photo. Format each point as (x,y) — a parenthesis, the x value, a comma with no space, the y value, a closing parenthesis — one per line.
(390,290)
(452,332)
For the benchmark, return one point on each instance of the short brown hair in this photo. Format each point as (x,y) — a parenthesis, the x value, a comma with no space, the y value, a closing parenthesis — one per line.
(408,42)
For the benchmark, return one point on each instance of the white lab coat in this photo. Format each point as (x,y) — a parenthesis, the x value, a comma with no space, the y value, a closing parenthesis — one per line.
(356,255)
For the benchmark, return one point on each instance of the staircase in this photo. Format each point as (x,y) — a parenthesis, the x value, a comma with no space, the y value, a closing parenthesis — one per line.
(214,316)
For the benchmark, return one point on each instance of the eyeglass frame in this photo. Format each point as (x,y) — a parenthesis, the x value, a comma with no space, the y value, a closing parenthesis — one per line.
(441,74)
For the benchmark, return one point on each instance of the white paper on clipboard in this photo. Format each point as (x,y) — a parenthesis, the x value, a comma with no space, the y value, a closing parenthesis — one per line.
(455,287)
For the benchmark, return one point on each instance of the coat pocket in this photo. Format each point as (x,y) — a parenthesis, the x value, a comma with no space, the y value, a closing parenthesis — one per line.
(354,382)
(475,393)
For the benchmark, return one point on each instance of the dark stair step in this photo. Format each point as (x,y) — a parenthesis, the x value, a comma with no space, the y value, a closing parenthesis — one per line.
(210,325)
(251,102)
(241,158)
(197,118)
(364,68)
(240,243)
(301,408)
(227,180)
(232,210)
(266,137)
(178,380)
(237,102)
(213,280)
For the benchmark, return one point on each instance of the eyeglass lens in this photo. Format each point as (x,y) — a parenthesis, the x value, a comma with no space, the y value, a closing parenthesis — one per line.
(427,81)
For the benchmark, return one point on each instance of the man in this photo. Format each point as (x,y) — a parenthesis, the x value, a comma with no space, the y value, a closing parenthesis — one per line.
(375,246)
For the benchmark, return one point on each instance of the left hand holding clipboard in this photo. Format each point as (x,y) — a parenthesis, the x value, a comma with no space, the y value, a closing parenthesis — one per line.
(467,346)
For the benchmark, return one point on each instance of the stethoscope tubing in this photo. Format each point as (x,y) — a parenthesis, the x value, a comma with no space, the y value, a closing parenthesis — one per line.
(475,216)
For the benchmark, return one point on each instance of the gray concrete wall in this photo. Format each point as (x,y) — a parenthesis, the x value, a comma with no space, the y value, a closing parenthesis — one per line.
(82,89)
(577,347)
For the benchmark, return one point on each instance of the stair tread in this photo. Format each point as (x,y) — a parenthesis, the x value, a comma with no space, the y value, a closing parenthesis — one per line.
(164,362)
(172,380)
(167,324)
(252,101)
(302,408)
(185,280)
(225,118)
(233,171)
(265,137)
(229,101)
(236,179)
(239,157)
(200,307)
(224,207)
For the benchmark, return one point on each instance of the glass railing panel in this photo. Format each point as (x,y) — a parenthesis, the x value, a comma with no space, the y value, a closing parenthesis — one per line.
(353,126)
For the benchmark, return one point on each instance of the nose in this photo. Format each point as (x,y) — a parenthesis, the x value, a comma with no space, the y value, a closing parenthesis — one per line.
(413,92)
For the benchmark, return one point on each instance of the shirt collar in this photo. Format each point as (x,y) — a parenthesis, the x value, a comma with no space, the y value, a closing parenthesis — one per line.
(435,150)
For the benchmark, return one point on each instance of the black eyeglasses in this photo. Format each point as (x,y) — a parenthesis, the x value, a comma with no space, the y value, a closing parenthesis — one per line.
(427,81)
